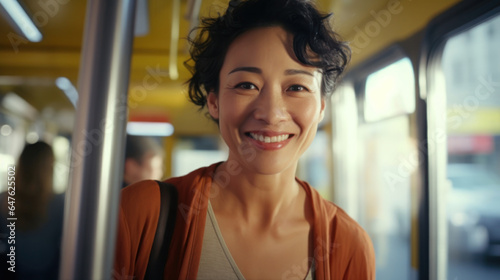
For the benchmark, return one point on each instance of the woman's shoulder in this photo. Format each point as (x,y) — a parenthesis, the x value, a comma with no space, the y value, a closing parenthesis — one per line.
(340,237)
(139,191)
(321,206)
(146,194)
(336,220)
(140,196)
(197,175)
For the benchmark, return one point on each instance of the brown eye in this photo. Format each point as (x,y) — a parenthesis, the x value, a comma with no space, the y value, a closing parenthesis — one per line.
(246,85)
(298,88)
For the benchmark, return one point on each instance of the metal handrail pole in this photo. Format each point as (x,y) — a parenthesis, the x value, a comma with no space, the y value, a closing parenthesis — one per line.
(96,170)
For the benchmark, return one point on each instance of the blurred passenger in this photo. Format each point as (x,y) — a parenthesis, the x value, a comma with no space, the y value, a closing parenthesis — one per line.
(143,160)
(264,70)
(39,214)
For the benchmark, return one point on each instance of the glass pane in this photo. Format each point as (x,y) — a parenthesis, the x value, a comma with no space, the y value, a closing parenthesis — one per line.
(314,165)
(191,153)
(471,68)
(390,91)
(385,193)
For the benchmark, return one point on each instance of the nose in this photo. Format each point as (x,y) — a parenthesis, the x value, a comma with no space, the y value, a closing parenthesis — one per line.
(270,106)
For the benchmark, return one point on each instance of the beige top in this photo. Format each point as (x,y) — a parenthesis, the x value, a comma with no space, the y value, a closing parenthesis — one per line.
(216,261)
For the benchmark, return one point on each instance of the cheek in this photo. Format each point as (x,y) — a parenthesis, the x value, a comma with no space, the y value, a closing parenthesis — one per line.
(228,118)
(307,112)
(231,109)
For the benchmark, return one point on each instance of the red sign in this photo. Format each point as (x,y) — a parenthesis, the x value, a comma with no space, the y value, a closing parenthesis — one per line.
(470,144)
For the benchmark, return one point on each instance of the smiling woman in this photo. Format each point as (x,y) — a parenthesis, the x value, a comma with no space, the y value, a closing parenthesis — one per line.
(265,94)
(264,70)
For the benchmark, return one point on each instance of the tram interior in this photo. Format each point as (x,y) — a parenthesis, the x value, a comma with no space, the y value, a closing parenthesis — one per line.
(397,129)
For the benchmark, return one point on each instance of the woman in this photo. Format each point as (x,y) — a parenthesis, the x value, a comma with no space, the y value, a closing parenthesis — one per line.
(264,70)
(39,213)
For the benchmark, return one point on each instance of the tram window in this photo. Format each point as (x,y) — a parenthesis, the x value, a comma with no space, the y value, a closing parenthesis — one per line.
(191,153)
(385,168)
(390,91)
(470,66)
(11,143)
(314,165)
(35,109)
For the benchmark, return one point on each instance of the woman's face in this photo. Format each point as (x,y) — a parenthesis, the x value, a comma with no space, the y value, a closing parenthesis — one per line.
(269,104)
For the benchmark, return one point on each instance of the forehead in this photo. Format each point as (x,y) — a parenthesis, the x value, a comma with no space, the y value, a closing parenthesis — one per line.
(271,45)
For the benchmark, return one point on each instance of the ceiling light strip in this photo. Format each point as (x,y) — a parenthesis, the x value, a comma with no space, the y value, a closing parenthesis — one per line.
(21,20)
(150,128)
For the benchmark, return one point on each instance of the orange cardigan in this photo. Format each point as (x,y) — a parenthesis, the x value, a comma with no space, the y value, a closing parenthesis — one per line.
(342,249)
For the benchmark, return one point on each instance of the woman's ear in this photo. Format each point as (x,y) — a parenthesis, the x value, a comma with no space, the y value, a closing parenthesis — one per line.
(322,112)
(213,105)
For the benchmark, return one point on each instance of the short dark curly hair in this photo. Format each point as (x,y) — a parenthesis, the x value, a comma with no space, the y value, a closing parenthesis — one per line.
(311,32)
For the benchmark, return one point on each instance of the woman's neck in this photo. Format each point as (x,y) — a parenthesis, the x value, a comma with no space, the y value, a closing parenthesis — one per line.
(260,200)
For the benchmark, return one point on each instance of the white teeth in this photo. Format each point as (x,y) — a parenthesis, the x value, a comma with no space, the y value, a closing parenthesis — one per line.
(268,139)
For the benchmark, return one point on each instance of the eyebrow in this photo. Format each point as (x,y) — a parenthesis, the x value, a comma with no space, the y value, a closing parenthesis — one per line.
(259,71)
(246,69)
(297,71)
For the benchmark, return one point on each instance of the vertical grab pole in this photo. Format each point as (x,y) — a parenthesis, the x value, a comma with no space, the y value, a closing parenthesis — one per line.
(98,140)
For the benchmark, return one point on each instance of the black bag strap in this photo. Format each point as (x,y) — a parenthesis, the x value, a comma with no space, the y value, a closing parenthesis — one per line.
(164,231)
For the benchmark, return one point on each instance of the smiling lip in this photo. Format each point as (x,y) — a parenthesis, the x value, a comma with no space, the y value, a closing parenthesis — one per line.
(269,140)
